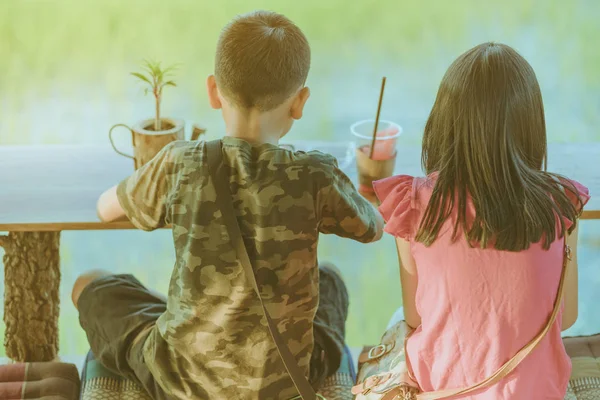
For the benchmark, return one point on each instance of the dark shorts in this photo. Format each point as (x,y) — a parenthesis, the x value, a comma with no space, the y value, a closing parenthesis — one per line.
(115,311)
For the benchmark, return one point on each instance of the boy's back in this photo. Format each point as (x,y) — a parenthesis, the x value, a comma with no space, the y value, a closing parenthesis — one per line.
(213,340)
(210,340)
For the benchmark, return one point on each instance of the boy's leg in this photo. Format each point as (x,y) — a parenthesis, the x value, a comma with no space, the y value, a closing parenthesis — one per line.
(329,325)
(117,312)
(85,279)
(82,281)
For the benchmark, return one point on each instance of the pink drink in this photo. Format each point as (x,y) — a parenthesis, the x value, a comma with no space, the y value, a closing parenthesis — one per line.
(381,164)
(385,148)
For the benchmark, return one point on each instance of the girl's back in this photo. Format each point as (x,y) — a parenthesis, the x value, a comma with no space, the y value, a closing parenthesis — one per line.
(478,306)
(481,239)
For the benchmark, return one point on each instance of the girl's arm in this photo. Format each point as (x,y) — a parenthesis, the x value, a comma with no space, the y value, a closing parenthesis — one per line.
(408,280)
(571,293)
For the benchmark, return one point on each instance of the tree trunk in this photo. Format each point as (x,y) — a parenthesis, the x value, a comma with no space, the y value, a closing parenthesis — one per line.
(31,301)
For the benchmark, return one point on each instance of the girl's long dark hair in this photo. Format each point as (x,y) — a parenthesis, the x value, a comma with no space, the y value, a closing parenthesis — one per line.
(486,139)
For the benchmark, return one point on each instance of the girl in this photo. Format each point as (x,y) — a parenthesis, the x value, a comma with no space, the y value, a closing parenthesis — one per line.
(481,238)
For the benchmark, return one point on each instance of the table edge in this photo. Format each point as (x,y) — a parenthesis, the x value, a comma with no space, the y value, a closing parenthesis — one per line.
(98,226)
(66,226)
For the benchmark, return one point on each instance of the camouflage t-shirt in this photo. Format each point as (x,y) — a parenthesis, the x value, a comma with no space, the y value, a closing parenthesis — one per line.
(213,341)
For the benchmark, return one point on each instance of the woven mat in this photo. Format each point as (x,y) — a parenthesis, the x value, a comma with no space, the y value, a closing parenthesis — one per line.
(585,377)
(97,383)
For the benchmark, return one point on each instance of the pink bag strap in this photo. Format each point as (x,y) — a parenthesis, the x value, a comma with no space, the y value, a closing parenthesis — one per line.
(511,364)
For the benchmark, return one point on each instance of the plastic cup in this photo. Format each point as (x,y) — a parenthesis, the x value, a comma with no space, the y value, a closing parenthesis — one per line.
(385,140)
(381,164)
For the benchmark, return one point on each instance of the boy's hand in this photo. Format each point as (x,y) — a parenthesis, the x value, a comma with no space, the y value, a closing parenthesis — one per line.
(347,213)
(380,224)
(370,196)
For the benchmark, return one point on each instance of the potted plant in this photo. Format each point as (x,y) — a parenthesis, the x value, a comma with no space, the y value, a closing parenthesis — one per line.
(157,80)
(151,135)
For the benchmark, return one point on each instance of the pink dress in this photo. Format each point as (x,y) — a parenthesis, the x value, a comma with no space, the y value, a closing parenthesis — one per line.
(478,307)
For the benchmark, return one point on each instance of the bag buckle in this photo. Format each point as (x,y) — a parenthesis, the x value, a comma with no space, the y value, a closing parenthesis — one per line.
(380,350)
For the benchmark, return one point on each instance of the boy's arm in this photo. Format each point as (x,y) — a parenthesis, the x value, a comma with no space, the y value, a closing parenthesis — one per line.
(109,209)
(345,213)
(142,197)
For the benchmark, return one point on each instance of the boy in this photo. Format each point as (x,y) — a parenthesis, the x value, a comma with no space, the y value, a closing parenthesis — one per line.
(209,339)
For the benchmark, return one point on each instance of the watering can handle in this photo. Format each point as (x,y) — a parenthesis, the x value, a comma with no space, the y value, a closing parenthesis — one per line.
(110,132)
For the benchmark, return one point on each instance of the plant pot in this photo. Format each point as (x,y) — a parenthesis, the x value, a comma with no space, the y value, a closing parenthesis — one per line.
(147,142)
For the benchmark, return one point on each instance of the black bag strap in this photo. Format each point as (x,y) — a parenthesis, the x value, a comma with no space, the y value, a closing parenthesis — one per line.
(220,178)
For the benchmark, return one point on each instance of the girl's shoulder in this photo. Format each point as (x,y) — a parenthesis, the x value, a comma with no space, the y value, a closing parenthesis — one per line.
(577,193)
(402,199)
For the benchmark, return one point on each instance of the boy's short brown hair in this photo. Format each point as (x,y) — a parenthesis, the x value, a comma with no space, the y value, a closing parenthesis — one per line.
(262,59)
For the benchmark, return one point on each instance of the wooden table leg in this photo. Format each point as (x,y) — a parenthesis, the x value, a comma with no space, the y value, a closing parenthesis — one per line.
(31,300)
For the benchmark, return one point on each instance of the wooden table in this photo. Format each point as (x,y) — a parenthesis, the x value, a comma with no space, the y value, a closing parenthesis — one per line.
(48,189)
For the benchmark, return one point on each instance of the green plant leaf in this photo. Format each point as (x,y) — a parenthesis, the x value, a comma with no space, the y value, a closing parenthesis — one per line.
(150,64)
(148,70)
(156,75)
(151,67)
(167,71)
(159,74)
(142,77)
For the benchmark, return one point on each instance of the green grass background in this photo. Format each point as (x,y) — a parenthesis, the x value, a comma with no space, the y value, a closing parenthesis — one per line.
(64,78)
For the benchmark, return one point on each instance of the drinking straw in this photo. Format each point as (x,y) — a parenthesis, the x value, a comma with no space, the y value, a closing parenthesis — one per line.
(377,118)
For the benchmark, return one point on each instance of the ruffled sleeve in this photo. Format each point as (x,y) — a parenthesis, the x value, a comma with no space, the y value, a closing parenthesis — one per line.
(397,198)
(584,195)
